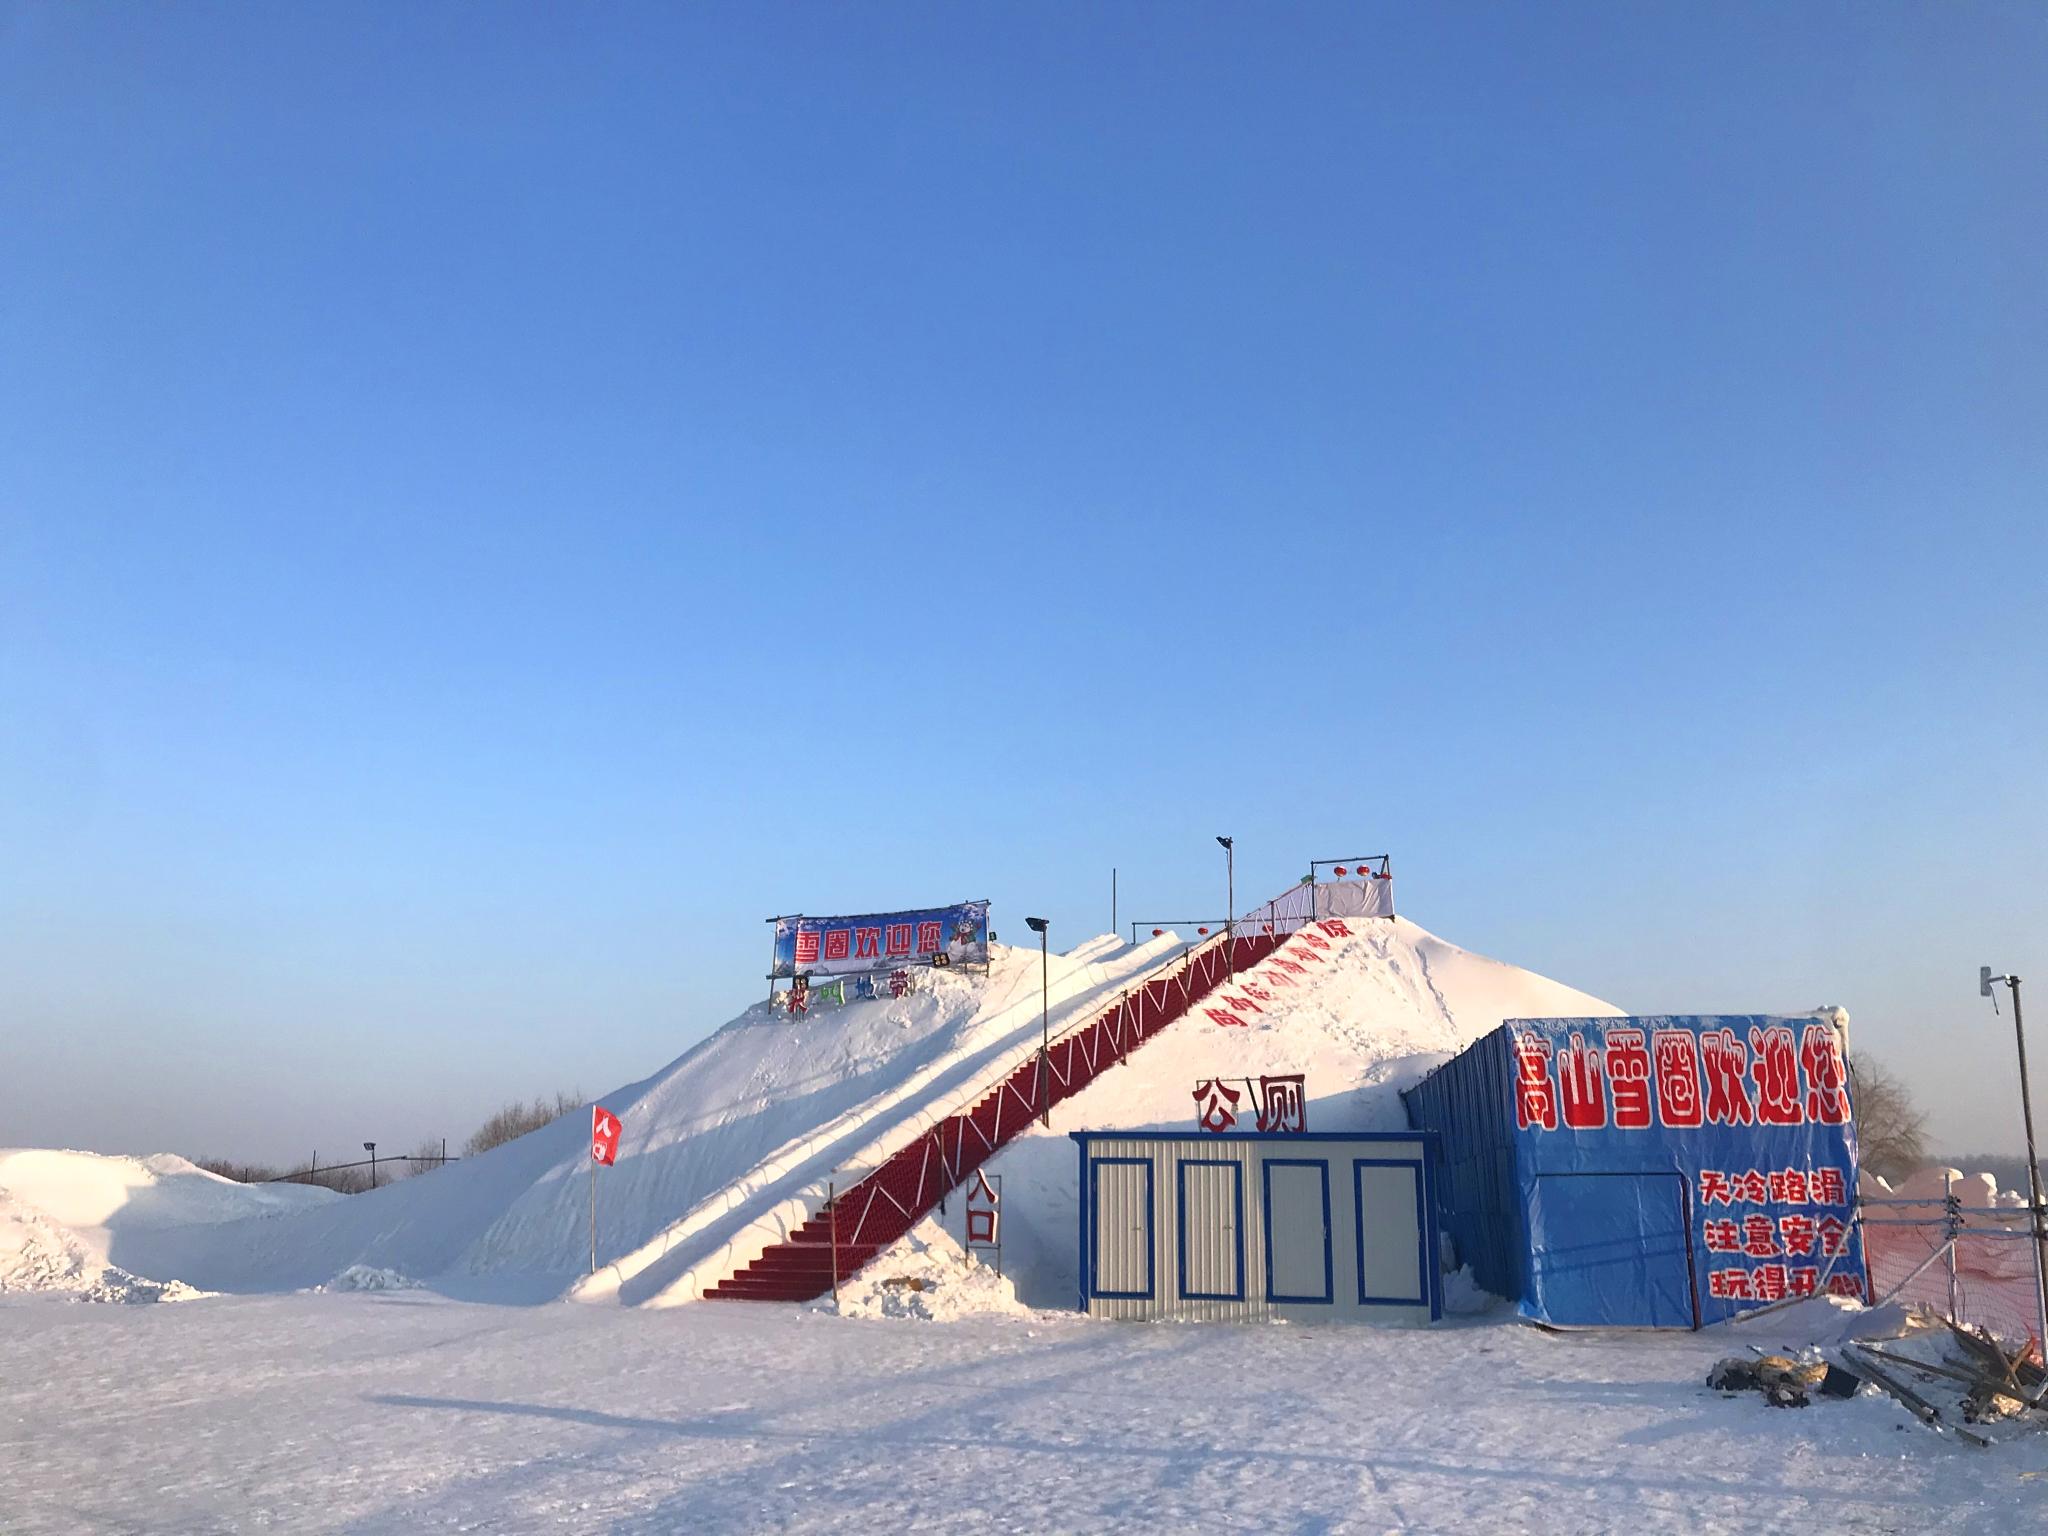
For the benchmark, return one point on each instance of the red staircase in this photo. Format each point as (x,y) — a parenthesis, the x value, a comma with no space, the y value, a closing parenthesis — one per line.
(868,1216)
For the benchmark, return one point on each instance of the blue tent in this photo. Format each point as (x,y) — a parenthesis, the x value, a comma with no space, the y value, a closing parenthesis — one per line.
(1665,1171)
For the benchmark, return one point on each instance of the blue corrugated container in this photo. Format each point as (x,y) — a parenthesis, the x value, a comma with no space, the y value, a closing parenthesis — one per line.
(1661,1171)
(1468,1102)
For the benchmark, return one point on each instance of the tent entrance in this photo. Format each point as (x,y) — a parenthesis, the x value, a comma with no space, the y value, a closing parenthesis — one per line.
(1612,1250)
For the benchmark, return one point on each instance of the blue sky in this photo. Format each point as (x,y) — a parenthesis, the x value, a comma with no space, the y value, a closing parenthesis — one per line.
(494,503)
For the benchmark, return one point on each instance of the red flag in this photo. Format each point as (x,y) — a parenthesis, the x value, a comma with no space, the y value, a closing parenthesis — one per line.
(604,1135)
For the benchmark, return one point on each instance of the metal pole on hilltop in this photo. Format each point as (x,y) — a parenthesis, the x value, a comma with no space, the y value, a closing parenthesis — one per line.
(371,1148)
(1229,905)
(1112,898)
(1038,925)
(593,1214)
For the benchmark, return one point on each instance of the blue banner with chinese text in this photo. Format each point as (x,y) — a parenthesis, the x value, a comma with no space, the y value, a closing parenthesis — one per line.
(881,941)
(1672,1163)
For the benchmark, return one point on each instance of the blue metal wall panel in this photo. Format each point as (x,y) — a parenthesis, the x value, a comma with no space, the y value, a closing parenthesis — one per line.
(1467,1103)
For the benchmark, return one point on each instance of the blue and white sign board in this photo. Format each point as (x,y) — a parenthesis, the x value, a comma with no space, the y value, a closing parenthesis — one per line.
(1665,1171)
(881,941)
(1300,1227)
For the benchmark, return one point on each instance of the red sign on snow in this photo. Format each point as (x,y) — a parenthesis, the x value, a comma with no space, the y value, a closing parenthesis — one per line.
(604,1135)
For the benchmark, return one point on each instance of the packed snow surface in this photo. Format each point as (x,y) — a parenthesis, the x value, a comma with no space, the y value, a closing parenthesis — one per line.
(412,1412)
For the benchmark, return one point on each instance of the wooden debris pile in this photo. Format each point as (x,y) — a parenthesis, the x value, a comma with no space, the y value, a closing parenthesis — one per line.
(1953,1377)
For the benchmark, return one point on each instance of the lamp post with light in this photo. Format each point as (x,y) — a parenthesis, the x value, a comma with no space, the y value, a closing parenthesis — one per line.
(1038,926)
(1229,904)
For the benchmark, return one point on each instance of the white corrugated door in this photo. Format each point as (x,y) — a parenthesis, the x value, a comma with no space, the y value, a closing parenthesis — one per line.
(1297,1196)
(1392,1266)
(1123,1227)
(1211,1219)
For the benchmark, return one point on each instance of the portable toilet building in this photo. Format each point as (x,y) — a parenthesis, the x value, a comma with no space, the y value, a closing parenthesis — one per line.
(1663,1172)
(1301,1226)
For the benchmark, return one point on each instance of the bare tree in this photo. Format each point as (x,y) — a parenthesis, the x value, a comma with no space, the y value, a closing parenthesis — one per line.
(1891,1134)
(516,1119)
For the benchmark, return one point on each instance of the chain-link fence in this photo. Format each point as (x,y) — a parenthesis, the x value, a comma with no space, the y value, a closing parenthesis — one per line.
(1958,1254)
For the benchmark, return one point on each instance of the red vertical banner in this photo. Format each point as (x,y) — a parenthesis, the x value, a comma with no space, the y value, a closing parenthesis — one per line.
(604,1135)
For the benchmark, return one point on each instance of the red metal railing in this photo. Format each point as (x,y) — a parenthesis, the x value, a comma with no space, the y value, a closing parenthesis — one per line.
(878,1209)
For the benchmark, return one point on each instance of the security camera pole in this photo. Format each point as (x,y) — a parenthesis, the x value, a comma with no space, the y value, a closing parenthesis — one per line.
(1985,981)
(1229,905)
(1038,926)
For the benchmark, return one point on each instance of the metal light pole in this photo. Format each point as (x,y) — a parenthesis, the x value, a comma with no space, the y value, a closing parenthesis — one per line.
(371,1148)
(1229,904)
(1038,926)
(2035,1214)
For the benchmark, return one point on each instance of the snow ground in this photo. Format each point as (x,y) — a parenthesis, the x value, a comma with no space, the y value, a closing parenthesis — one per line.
(377,1412)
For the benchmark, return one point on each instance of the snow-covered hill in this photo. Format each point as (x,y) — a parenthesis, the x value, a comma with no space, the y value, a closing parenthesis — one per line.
(730,1145)
(724,1137)
(1380,1008)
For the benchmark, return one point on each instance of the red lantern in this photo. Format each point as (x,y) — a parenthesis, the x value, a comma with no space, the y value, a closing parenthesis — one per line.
(1157,931)
(1342,871)
(1201,930)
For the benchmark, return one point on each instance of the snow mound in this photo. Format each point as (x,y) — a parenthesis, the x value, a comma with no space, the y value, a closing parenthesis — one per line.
(89,1191)
(1821,1320)
(1465,1297)
(36,1254)
(925,1275)
(66,1218)
(40,1255)
(117,1285)
(368,1277)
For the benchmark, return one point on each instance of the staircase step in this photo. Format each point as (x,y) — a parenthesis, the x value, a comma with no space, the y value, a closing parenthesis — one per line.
(730,1290)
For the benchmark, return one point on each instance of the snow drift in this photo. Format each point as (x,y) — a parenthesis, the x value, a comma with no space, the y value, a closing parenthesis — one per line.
(63,1214)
